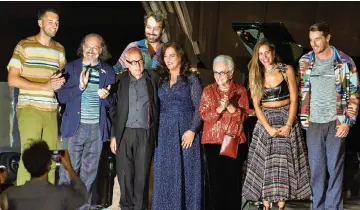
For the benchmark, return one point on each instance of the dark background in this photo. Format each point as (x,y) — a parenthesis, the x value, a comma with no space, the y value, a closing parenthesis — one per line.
(119,23)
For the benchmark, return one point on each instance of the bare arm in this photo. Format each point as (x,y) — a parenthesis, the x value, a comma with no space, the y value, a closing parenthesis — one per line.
(16,80)
(261,116)
(293,94)
(259,113)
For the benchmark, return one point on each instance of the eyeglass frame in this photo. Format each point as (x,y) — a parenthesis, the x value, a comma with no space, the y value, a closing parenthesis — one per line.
(133,63)
(221,73)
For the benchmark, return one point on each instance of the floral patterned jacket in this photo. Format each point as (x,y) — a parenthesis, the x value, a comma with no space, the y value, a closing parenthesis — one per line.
(216,125)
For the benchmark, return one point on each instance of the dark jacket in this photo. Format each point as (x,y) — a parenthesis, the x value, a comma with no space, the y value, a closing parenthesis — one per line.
(119,112)
(42,195)
(70,94)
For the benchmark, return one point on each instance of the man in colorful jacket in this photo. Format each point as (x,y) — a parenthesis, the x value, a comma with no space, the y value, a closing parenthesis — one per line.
(155,24)
(329,102)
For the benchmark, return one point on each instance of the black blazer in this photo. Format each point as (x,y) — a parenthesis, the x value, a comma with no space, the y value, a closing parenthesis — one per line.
(119,112)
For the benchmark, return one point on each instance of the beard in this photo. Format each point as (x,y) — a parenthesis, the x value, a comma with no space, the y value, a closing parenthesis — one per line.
(91,57)
(152,38)
(49,33)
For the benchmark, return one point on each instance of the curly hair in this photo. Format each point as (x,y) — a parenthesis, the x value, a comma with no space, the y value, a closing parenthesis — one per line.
(37,158)
(105,54)
(185,69)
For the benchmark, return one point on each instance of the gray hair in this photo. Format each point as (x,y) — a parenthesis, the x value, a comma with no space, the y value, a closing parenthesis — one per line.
(226,60)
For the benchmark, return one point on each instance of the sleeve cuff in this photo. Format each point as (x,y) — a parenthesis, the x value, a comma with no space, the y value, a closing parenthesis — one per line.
(348,121)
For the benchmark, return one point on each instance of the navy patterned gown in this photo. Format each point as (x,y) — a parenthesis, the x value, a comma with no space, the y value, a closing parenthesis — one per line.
(177,171)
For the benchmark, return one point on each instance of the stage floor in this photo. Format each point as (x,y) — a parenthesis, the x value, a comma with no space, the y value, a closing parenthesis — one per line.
(351,204)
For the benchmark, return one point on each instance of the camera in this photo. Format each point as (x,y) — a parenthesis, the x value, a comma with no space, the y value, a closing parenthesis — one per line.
(55,155)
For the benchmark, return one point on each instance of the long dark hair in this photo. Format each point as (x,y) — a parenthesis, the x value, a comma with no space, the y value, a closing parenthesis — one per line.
(185,69)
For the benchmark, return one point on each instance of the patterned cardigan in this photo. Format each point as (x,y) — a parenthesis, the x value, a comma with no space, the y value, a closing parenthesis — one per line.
(347,88)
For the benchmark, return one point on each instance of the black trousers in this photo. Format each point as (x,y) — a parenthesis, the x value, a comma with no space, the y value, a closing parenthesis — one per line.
(224,177)
(133,161)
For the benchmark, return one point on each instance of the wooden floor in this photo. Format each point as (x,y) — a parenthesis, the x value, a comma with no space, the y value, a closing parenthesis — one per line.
(352,204)
(116,192)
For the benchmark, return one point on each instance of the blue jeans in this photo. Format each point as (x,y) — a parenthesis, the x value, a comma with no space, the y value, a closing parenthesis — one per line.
(84,149)
(326,155)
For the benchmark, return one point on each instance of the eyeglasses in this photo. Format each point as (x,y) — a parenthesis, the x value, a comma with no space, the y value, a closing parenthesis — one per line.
(87,47)
(139,62)
(222,73)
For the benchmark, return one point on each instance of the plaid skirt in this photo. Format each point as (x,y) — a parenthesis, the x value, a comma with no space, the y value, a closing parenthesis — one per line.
(277,167)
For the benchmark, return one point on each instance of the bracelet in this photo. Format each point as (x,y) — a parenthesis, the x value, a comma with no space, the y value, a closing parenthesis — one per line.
(288,125)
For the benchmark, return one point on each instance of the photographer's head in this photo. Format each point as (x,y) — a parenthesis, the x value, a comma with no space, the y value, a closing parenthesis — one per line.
(37,159)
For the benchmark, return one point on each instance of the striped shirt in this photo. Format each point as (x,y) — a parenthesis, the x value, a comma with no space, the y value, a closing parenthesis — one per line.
(90,110)
(346,83)
(37,63)
(323,89)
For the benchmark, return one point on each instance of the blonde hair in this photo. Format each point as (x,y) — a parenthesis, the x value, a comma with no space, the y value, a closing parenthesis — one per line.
(256,70)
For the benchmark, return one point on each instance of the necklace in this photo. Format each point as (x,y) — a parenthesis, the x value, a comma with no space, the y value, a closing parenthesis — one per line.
(271,70)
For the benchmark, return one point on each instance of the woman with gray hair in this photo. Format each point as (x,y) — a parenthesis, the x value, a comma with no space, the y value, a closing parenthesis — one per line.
(223,107)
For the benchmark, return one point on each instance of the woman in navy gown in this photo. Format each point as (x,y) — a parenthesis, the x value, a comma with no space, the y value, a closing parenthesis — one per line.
(177,159)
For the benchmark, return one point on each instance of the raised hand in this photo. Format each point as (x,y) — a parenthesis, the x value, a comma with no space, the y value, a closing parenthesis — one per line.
(84,79)
(224,102)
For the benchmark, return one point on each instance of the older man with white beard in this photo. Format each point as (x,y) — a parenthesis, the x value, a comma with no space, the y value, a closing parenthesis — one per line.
(85,123)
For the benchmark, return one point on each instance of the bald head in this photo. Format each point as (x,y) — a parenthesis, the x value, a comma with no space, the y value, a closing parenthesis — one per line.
(133,51)
(135,62)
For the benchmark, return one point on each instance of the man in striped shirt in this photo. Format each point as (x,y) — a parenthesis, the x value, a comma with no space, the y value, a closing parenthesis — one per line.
(35,69)
(329,104)
(85,123)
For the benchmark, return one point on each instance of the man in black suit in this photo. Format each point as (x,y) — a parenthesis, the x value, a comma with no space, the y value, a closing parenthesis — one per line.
(134,130)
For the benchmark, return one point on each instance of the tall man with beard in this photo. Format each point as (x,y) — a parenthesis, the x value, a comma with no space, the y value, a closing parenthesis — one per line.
(85,123)
(34,69)
(155,24)
(329,104)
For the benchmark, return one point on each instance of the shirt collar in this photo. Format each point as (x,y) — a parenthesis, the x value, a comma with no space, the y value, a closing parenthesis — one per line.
(132,78)
(336,56)
(37,182)
(95,67)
